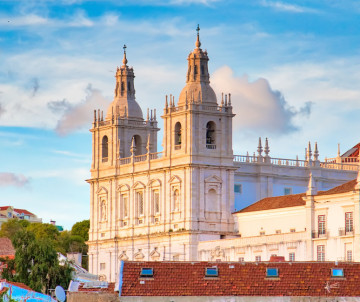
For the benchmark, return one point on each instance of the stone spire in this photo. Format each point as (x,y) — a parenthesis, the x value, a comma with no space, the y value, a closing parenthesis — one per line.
(198,43)
(124,100)
(197,77)
(124,59)
(259,149)
(266,149)
(309,153)
(312,190)
(316,152)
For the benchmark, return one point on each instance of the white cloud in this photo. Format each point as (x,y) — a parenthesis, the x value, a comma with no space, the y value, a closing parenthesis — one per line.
(12,179)
(257,106)
(281,6)
(80,116)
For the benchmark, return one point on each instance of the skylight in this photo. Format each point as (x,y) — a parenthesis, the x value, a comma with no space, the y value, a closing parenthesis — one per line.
(147,272)
(337,272)
(211,272)
(272,272)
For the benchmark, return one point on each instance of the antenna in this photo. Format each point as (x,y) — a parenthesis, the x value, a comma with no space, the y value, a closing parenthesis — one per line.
(60,293)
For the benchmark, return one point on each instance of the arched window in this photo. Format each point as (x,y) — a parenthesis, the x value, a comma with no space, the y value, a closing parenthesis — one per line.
(105,148)
(176,198)
(202,70)
(137,141)
(122,86)
(129,86)
(177,135)
(195,69)
(210,135)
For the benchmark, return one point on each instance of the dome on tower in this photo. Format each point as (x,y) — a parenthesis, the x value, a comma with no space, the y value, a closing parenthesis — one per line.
(124,103)
(197,88)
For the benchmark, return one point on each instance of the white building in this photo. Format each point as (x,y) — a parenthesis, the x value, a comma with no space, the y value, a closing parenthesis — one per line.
(149,205)
(313,226)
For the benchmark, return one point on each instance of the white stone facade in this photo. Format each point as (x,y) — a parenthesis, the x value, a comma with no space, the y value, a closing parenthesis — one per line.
(149,205)
(325,228)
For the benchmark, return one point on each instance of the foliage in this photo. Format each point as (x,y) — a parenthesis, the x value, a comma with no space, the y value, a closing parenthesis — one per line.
(36,263)
(81,228)
(12,226)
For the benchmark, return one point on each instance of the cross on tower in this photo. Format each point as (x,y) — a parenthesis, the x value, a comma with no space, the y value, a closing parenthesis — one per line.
(198,29)
(124,47)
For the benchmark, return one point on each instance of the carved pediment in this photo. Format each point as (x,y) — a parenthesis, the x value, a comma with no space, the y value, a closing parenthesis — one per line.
(101,191)
(175,179)
(139,255)
(155,255)
(213,179)
(138,185)
(154,182)
(123,256)
(123,187)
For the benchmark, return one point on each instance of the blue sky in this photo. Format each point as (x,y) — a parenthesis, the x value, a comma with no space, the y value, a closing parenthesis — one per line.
(293,68)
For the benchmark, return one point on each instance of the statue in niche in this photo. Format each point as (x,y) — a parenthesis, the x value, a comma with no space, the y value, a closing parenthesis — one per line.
(103,210)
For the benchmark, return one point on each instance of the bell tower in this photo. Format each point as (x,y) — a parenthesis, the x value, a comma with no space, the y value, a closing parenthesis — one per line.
(198,126)
(124,131)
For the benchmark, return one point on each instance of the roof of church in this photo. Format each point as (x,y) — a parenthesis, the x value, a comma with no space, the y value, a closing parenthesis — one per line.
(237,279)
(294,200)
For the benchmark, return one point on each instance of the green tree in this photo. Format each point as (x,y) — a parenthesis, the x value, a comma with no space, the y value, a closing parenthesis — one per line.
(81,228)
(12,226)
(37,264)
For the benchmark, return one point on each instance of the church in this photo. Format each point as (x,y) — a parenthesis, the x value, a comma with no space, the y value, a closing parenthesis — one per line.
(148,205)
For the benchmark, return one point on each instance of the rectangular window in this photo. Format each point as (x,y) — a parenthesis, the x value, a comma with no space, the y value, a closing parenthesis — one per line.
(287,191)
(140,202)
(349,255)
(292,230)
(241,259)
(262,233)
(156,200)
(337,272)
(211,272)
(321,253)
(257,258)
(237,188)
(278,231)
(146,272)
(102,266)
(272,272)
(291,257)
(348,222)
(321,225)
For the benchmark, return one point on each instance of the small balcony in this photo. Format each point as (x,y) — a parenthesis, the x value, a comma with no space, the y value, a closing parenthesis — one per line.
(320,234)
(346,232)
(211,146)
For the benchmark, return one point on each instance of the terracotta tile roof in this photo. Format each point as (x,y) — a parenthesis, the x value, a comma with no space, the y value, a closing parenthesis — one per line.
(276,202)
(6,247)
(352,152)
(286,201)
(4,208)
(24,211)
(240,279)
(346,187)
